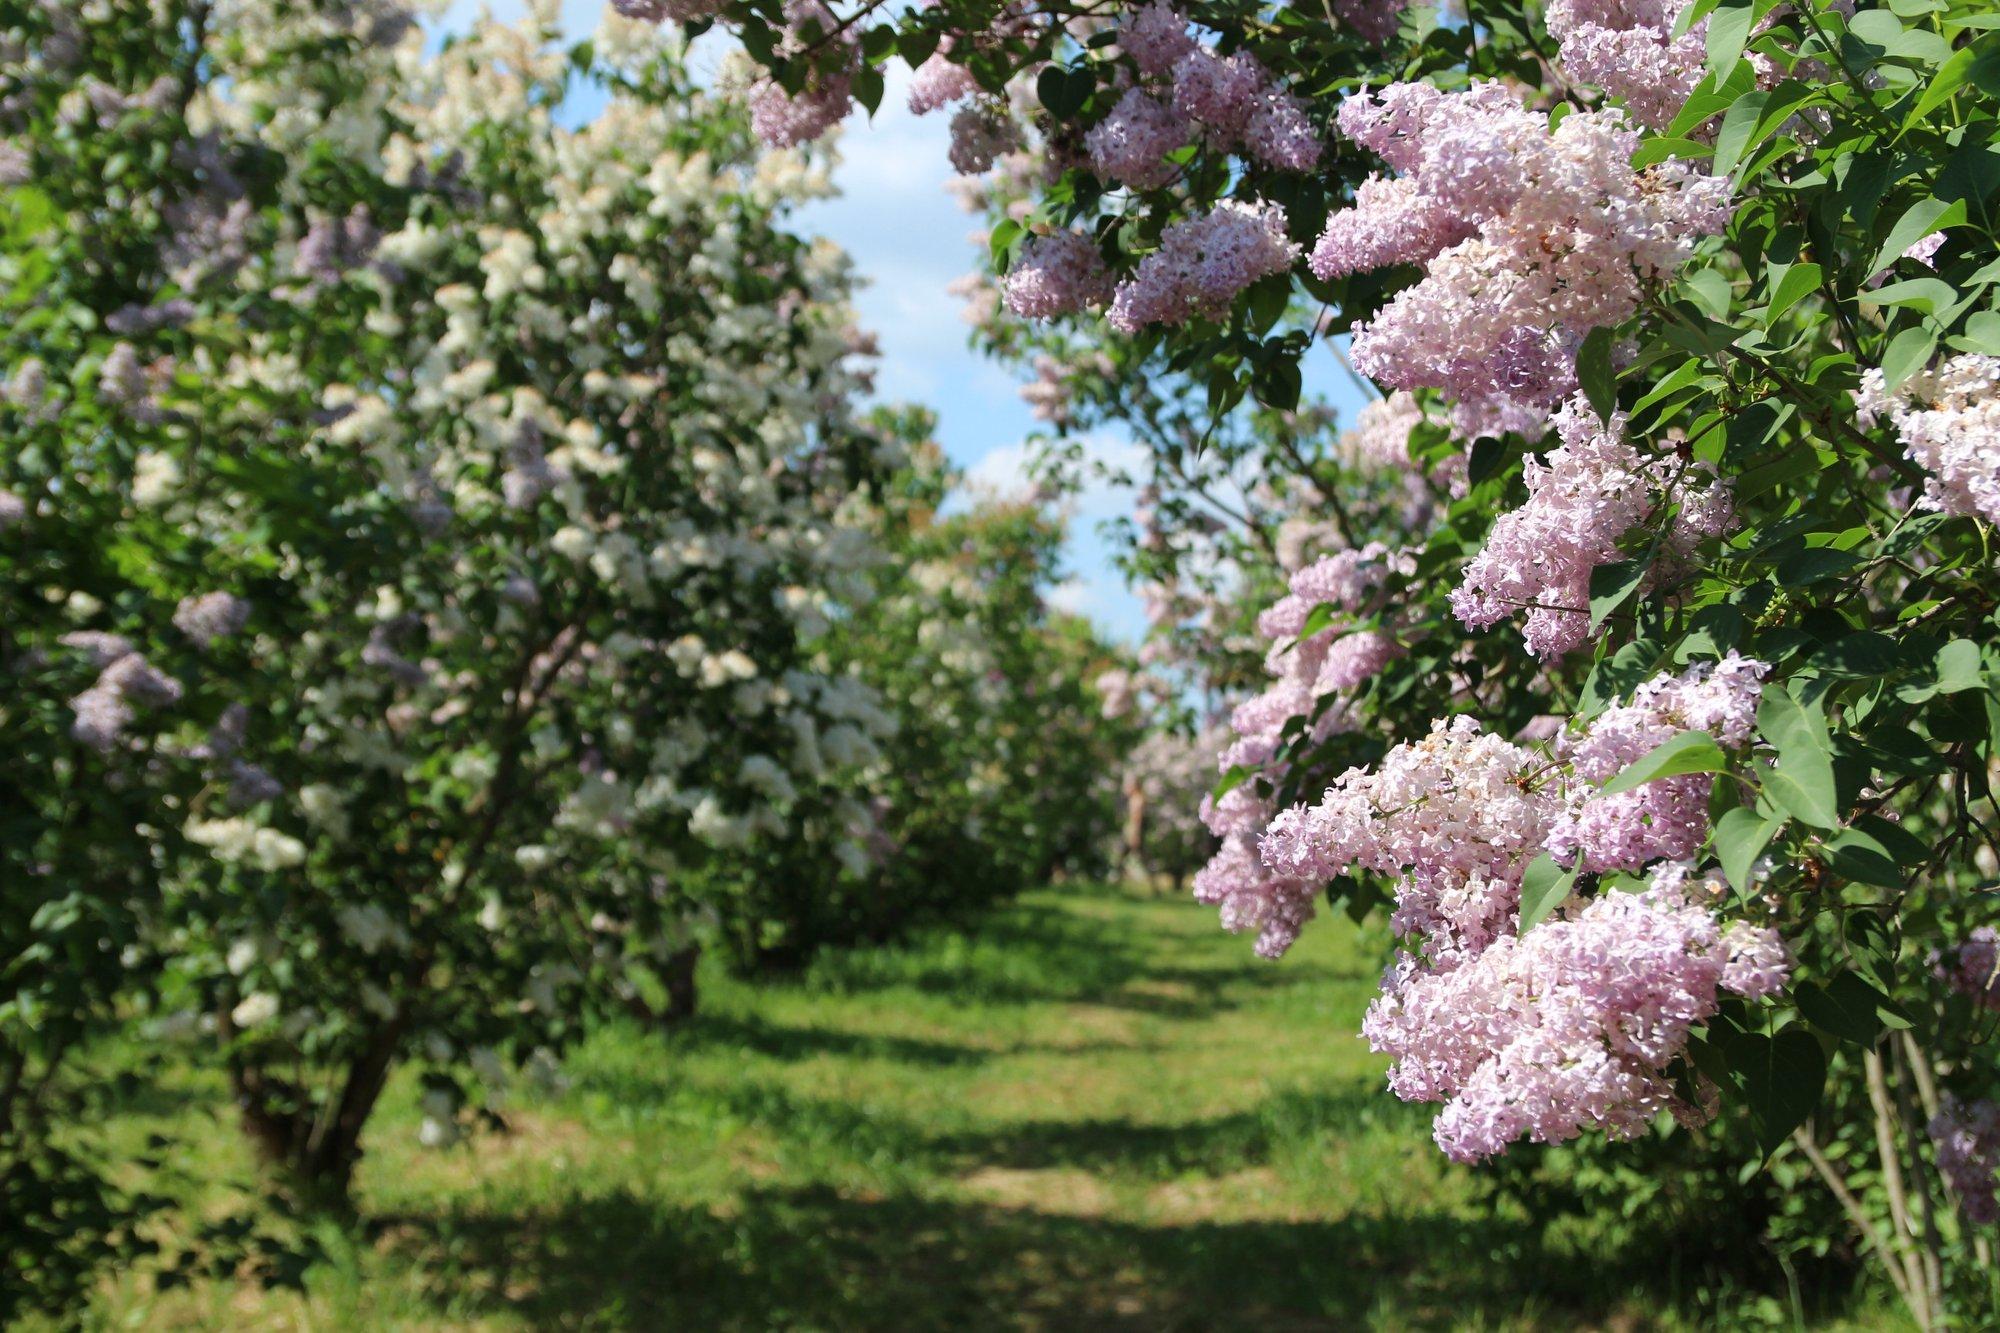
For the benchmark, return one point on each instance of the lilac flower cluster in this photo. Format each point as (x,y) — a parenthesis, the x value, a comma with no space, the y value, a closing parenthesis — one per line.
(1253,891)
(1574,1025)
(1973,968)
(980,133)
(785,120)
(1948,419)
(676,11)
(1455,816)
(1570,1026)
(1582,499)
(1667,818)
(1529,237)
(1232,100)
(1202,264)
(1130,145)
(937,83)
(1343,579)
(1057,275)
(1373,20)
(1628,48)
(125,680)
(1967,1139)
(210,616)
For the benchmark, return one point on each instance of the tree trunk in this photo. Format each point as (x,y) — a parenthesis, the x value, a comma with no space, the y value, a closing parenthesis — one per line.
(317,1148)
(677,978)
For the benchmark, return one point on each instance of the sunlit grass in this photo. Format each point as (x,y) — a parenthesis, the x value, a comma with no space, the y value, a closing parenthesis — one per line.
(1093,1111)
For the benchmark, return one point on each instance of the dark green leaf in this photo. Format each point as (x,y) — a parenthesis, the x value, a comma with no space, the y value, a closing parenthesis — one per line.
(1846,1007)
(1593,370)
(1781,1079)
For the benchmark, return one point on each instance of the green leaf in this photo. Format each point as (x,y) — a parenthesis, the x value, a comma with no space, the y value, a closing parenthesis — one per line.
(1544,886)
(1856,856)
(1739,123)
(1231,780)
(1920,220)
(1317,619)
(1802,782)
(1846,1007)
(1799,279)
(1593,369)
(1908,353)
(1657,150)
(1930,295)
(1610,585)
(1740,837)
(1978,63)
(1689,752)
(1005,234)
(1959,667)
(1781,1079)
(1728,32)
(1064,91)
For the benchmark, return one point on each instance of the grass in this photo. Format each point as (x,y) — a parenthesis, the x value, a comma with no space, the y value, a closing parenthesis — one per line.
(1095,1111)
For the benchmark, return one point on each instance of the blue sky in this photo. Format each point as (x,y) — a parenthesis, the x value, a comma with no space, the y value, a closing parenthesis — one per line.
(908,238)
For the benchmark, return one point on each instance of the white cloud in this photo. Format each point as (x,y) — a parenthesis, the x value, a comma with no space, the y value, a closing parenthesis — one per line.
(1073,596)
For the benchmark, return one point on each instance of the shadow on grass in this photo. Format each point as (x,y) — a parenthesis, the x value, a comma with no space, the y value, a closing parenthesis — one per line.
(776,1041)
(1031,955)
(816,1259)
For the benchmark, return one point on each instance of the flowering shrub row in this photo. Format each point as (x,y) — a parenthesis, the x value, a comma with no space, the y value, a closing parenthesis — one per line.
(1663,720)
(434,538)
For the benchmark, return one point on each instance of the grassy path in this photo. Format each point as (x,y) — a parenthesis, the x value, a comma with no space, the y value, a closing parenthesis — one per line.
(1096,1112)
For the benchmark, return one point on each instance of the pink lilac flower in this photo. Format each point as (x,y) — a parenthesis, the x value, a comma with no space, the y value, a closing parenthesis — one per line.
(1628,48)
(979,135)
(102,712)
(1221,92)
(785,120)
(1529,238)
(1056,275)
(138,680)
(1130,146)
(1252,898)
(1354,658)
(938,83)
(1948,419)
(250,784)
(1343,579)
(211,616)
(1967,1138)
(100,647)
(1373,20)
(1390,222)
(1202,264)
(1455,816)
(1156,37)
(1588,493)
(1924,250)
(678,11)
(1667,818)
(101,716)
(1973,967)
(1570,1027)
(1279,134)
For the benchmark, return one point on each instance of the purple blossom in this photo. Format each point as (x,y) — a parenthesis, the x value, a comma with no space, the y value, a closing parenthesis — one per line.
(211,616)
(1202,264)
(1130,146)
(1056,275)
